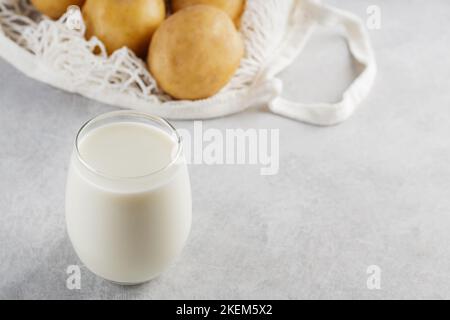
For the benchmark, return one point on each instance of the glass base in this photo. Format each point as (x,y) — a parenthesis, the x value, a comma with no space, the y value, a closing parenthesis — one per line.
(125,284)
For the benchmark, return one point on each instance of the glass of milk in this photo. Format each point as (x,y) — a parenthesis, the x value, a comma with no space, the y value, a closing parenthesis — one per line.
(128,196)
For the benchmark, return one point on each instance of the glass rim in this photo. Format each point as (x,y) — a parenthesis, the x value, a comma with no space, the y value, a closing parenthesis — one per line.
(131,113)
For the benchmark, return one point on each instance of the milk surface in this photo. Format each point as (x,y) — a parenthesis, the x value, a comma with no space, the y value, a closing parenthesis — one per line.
(127,149)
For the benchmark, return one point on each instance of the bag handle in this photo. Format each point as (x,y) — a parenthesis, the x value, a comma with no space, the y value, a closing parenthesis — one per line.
(325,114)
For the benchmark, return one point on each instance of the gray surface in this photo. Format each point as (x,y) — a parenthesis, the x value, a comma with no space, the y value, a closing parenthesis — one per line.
(374,190)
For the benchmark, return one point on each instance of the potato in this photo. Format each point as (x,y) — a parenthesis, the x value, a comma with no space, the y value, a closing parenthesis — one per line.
(195,52)
(124,23)
(55,8)
(233,8)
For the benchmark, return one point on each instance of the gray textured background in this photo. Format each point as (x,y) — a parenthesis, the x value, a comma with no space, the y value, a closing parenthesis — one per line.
(374,190)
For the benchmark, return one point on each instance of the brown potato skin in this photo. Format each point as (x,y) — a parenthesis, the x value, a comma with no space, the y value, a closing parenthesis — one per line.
(195,52)
(55,8)
(124,23)
(234,8)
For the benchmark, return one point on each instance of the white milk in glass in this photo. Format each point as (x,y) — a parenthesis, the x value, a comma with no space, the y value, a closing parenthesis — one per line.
(128,197)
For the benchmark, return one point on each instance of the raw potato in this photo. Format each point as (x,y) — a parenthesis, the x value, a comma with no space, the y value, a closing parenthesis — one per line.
(195,52)
(124,23)
(233,8)
(55,8)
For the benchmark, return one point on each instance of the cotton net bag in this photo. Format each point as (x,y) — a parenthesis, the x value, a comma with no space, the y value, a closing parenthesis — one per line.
(274,31)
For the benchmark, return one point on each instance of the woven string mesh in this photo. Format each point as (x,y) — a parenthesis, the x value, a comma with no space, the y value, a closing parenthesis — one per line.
(65,52)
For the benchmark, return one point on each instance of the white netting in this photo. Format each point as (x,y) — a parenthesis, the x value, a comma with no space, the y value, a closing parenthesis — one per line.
(69,58)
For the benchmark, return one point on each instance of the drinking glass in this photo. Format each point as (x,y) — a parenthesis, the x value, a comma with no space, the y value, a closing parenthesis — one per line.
(128,229)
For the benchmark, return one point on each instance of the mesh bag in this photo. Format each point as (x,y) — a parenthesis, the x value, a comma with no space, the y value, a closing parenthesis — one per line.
(274,32)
